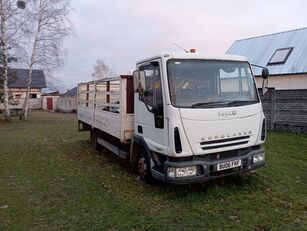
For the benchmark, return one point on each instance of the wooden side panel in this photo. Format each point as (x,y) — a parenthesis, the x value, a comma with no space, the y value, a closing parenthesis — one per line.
(129,129)
(85,114)
(108,105)
(108,122)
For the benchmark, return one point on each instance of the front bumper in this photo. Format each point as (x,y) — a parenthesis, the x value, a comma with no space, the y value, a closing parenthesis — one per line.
(207,166)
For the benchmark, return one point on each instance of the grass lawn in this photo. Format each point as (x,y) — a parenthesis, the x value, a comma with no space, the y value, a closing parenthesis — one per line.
(50,179)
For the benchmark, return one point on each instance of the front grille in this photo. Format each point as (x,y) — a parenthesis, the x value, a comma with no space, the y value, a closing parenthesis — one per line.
(213,144)
(224,140)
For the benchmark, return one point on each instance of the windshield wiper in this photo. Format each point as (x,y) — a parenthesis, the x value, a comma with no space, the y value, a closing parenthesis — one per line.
(195,105)
(227,103)
(241,102)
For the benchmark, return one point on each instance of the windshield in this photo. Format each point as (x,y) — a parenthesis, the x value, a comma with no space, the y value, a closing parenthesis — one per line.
(210,83)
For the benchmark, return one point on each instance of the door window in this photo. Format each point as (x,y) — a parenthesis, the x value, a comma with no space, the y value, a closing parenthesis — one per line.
(153,90)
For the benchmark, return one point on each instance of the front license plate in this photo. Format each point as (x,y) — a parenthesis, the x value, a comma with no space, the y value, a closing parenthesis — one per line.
(229,164)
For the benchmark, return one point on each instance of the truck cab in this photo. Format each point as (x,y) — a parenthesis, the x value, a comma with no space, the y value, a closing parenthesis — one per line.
(196,117)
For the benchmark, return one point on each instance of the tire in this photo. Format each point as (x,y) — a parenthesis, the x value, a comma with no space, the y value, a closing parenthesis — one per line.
(143,166)
(94,142)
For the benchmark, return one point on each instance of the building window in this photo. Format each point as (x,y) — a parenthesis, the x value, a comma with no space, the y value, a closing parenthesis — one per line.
(17,96)
(33,96)
(280,56)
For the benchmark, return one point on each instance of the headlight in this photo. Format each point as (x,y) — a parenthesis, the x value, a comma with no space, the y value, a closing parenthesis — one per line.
(258,158)
(181,172)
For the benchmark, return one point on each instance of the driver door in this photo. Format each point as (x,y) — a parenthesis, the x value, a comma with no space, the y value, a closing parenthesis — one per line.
(150,121)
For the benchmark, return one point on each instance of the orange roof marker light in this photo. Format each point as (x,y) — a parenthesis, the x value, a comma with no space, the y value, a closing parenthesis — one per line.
(193,50)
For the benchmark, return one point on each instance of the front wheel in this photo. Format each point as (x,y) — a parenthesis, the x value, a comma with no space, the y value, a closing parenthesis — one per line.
(144,166)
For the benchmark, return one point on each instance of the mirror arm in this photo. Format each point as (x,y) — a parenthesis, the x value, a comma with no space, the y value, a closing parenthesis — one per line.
(254,65)
(265,71)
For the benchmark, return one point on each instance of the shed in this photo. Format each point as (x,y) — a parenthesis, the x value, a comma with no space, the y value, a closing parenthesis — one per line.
(68,101)
(50,100)
(284,54)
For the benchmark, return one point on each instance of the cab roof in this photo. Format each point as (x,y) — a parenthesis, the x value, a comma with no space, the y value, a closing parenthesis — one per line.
(195,56)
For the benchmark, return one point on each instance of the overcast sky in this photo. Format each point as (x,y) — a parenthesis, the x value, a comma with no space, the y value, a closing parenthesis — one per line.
(123,31)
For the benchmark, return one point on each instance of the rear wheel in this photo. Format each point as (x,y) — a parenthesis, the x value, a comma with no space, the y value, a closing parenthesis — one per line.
(95,145)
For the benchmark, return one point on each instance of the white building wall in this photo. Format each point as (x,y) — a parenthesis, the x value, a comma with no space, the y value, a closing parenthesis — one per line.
(19,95)
(285,82)
(67,104)
(54,103)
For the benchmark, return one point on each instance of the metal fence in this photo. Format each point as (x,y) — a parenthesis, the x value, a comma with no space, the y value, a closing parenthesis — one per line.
(286,110)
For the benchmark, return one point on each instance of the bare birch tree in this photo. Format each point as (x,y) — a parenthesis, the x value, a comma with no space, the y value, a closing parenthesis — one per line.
(49,25)
(10,24)
(101,70)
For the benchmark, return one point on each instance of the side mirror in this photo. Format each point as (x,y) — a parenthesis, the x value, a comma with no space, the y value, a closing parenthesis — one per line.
(265,73)
(139,81)
(265,82)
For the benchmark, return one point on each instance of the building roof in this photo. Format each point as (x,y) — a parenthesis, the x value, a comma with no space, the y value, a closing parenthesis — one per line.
(71,93)
(17,78)
(259,50)
(54,93)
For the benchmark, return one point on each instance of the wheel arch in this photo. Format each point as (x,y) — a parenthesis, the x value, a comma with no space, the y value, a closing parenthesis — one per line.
(137,143)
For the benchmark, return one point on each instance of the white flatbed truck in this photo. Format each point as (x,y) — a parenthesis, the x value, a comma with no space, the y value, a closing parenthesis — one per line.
(181,118)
